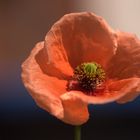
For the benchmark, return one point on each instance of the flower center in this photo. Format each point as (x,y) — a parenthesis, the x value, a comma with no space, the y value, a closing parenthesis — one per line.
(88,77)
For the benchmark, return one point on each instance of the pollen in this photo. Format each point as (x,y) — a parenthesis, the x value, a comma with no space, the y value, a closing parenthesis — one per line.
(88,77)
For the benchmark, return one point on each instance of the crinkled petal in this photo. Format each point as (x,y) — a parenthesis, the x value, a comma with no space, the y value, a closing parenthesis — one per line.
(126,62)
(43,88)
(130,96)
(114,91)
(80,37)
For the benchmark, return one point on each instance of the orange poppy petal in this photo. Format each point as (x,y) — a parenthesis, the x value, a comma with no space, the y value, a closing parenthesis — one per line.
(115,91)
(75,110)
(126,62)
(43,88)
(80,37)
(130,96)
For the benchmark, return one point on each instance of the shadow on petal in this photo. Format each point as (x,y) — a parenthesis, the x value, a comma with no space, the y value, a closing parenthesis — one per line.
(63,72)
(126,62)
(81,37)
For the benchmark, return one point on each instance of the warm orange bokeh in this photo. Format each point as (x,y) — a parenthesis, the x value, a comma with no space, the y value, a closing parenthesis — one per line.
(74,39)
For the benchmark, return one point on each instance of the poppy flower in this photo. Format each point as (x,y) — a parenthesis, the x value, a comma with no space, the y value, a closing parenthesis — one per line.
(77,46)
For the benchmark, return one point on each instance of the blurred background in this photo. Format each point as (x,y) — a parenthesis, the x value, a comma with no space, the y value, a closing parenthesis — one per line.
(22,25)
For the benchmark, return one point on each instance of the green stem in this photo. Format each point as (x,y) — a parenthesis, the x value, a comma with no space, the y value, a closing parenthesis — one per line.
(77,133)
